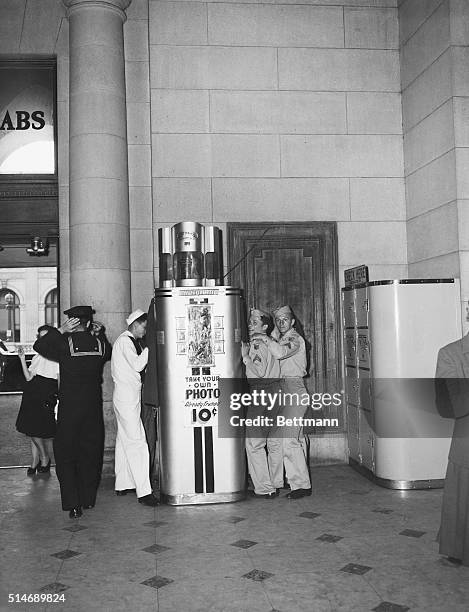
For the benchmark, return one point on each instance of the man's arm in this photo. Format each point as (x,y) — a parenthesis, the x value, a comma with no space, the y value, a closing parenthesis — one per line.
(256,365)
(29,373)
(283,350)
(446,366)
(98,330)
(136,362)
(107,346)
(51,345)
(452,391)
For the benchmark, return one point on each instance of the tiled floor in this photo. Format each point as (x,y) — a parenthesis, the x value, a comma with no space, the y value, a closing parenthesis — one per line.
(351,546)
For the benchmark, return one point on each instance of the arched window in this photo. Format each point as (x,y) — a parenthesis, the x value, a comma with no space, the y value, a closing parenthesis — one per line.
(9,316)
(51,308)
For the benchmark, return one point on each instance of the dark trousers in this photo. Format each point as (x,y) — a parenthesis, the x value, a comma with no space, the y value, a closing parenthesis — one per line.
(149,424)
(78,451)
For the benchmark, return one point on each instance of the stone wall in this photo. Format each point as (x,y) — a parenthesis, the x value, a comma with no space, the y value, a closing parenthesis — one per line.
(434,38)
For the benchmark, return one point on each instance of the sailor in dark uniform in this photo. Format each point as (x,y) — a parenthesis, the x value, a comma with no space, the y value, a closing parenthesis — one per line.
(81,349)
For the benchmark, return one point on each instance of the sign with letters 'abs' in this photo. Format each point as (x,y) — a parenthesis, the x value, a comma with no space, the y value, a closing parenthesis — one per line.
(27,96)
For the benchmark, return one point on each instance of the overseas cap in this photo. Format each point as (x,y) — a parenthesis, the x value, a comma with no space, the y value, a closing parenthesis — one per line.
(81,312)
(259,312)
(133,316)
(282,310)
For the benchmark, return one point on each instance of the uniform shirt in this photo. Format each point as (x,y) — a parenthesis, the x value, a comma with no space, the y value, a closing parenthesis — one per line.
(40,366)
(260,362)
(126,365)
(80,355)
(290,349)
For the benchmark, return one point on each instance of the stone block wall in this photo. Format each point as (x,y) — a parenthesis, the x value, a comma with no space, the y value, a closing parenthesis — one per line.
(434,39)
(281,112)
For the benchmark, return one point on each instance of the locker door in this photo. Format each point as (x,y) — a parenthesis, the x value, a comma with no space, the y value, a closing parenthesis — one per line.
(361,306)
(348,304)
(353,432)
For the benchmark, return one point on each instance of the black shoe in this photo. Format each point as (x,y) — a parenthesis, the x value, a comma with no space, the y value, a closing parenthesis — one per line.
(31,471)
(454,561)
(299,493)
(148,500)
(75,512)
(43,469)
(121,493)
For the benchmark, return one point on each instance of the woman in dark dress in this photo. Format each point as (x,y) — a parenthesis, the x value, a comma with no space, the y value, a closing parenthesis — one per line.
(36,417)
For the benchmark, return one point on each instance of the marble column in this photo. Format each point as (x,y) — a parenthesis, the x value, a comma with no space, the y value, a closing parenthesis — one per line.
(98,181)
(99,204)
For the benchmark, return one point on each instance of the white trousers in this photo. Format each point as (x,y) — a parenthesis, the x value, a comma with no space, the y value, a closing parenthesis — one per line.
(132,463)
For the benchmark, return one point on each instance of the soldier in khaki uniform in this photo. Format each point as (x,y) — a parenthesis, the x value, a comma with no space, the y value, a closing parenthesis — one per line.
(288,449)
(263,373)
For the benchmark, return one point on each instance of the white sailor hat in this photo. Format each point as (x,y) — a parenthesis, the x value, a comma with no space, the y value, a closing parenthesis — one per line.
(133,316)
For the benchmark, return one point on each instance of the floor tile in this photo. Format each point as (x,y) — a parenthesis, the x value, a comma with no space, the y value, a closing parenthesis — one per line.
(412,533)
(235,519)
(75,528)
(155,523)
(387,606)
(66,554)
(310,515)
(157,582)
(355,568)
(243,543)
(54,587)
(258,575)
(327,537)
(155,549)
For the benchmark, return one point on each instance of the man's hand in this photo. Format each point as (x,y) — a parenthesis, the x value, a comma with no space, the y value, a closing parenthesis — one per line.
(69,326)
(96,328)
(244,349)
(263,337)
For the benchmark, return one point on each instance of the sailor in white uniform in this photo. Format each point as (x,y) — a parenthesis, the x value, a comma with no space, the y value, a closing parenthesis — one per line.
(131,454)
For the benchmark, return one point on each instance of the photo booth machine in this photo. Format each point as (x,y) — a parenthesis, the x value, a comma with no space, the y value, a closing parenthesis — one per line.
(198,336)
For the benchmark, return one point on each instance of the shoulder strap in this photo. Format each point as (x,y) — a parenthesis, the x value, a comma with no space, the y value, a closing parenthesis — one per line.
(136,343)
(138,348)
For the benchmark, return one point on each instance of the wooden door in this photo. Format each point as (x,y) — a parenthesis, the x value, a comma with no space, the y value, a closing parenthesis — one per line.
(295,264)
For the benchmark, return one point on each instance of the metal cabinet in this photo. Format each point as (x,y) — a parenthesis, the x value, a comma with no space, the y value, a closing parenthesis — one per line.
(392,332)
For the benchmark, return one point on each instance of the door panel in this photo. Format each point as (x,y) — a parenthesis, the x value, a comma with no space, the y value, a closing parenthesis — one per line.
(296,264)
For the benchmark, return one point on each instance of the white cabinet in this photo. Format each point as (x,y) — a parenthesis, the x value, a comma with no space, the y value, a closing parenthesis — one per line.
(392,333)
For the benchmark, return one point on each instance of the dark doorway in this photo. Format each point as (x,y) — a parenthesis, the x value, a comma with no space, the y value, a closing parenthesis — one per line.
(29,230)
(295,264)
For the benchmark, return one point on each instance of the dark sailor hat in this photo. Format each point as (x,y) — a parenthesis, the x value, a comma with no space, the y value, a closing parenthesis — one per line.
(81,312)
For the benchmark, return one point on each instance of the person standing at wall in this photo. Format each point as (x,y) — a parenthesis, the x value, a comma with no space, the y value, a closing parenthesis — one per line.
(288,448)
(263,374)
(81,348)
(452,395)
(36,417)
(132,462)
(150,400)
